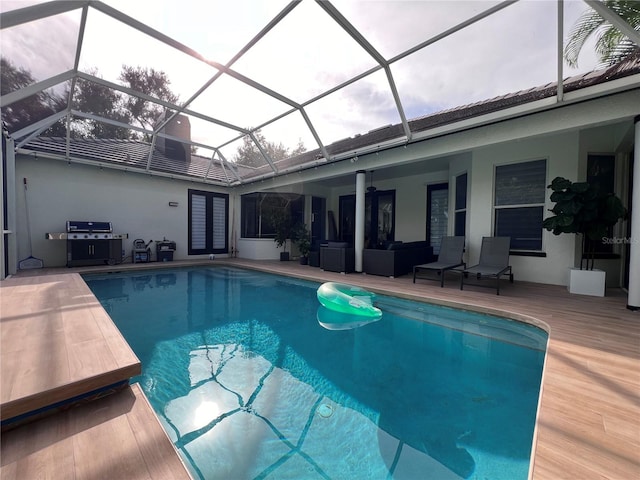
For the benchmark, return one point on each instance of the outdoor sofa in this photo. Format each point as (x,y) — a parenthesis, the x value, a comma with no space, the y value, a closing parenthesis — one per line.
(397,259)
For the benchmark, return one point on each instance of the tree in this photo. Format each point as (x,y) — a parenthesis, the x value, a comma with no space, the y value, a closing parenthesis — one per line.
(88,97)
(97,99)
(612,46)
(151,82)
(249,155)
(28,110)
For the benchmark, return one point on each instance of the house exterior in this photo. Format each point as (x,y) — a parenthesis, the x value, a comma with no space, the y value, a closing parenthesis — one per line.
(484,166)
(561,139)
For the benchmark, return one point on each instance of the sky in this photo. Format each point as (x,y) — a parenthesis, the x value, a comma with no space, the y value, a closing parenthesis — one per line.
(306,54)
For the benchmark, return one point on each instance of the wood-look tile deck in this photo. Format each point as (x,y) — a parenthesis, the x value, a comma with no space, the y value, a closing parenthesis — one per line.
(588,424)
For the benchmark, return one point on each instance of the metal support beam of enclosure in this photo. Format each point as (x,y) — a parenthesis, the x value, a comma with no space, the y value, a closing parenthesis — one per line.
(633,302)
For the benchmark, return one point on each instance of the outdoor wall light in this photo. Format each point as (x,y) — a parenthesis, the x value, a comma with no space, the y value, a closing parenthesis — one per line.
(173,204)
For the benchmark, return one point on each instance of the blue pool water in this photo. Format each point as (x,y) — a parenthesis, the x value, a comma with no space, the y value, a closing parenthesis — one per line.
(249,385)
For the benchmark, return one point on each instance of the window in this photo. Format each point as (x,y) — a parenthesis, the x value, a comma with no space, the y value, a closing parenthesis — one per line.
(601,173)
(520,191)
(460,208)
(379,223)
(437,214)
(208,220)
(255,208)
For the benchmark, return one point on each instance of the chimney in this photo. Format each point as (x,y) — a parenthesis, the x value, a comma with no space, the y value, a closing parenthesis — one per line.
(178,127)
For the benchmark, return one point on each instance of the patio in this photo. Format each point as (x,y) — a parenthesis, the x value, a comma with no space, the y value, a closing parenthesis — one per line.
(589,415)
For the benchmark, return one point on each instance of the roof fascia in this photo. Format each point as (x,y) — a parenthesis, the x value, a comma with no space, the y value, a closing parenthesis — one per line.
(587,93)
(19,16)
(34,88)
(578,115)
(629,82)
(94,163)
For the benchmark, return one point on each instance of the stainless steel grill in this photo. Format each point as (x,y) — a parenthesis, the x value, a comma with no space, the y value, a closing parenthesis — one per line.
(91,243)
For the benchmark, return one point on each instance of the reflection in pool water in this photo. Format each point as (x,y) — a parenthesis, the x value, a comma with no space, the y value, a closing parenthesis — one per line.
(248,384)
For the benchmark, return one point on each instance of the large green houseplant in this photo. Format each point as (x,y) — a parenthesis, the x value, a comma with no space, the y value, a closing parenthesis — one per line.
(302,239)
(582,209)
(280,219)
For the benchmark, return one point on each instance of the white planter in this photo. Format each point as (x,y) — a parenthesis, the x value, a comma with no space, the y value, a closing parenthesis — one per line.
(587,282)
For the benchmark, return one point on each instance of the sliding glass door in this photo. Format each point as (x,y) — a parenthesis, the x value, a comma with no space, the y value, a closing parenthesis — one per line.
(379,226)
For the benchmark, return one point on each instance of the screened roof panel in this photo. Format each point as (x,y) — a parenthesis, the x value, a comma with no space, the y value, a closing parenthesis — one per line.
(307,53)
(470,65)
(25,114)
(355,109)
(219,30)
(291,133)
(394,27)
(236,103)
(44,48)
(588,61)
(209,133)
(449,60)
(80,127)
(244,152)
(125,45)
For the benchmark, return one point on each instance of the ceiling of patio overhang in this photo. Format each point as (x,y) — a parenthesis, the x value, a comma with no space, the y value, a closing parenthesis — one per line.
(319,77)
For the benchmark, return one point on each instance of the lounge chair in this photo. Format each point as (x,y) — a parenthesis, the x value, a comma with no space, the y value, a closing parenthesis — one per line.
(451,249)
(494,261)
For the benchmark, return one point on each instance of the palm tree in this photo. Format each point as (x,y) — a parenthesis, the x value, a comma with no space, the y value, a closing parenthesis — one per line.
(612,46)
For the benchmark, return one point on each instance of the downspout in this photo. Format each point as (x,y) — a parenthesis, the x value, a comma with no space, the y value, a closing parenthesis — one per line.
(633,300)
(360,210)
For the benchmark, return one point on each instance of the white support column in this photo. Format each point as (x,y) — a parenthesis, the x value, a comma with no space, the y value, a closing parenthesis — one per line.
(633,301)
(359,233)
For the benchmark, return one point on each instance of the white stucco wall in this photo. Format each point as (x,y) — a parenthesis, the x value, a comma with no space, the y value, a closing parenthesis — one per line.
(135,204)
(411,202)
(561,153)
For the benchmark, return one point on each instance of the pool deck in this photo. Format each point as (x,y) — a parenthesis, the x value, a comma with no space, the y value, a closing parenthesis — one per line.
(58,342)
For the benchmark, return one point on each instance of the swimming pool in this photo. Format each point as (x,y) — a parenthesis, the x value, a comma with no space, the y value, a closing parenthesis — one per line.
(249,385)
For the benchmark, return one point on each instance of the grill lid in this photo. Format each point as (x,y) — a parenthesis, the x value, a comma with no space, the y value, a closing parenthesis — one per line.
(89,227)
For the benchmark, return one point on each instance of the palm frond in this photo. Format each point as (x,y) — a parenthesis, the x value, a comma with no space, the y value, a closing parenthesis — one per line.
(611,45)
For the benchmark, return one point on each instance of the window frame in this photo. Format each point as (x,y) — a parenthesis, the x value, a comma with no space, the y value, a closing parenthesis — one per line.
(296,207)
(460,210)
(542,205)
(209,237)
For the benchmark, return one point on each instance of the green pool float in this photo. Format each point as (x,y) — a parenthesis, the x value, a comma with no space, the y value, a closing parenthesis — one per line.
(349,299)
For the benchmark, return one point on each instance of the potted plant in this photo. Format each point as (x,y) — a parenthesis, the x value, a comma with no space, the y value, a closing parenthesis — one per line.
(303,242)
(280,220)
(582,209)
